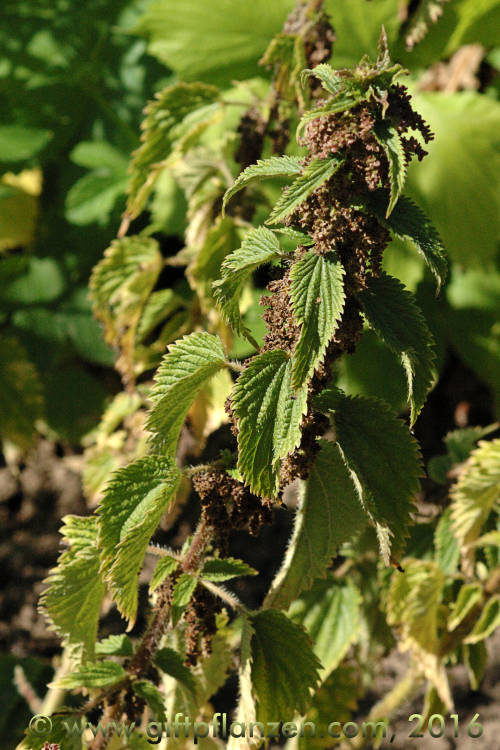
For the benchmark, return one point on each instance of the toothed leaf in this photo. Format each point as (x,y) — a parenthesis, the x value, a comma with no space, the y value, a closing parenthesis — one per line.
(318,296)
(328,515)
(259,246)
(275,166)
(384,460)
(389,138)
(184,371)
(269,418)
(396,318)
(133,503)
(313,176)
(282,678)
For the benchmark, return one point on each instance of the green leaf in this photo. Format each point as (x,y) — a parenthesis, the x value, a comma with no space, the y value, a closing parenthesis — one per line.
(476,659)
(170,662)
(468,597)
(115,645)
(184,371)
(317,293)
(220,240)
(314,175)
(282,678)
(72,601)
(164,568)
(463,161)
(259,246)
(475,494)
(153,697)
(388,137)
(386,470)
(394,315)
(93,197)
(120,286)
(408,221)
(18,143)
(274,166)
(357,28)
(329,613)
(93,675)
(222,569)
(219,42)
(330,79)
(165,124)
(21,402)
(181,597)
(98,155)
(298,237)
(134,501)
(269,418)
(328,515)
(447,550)
(414,600)
(487,623)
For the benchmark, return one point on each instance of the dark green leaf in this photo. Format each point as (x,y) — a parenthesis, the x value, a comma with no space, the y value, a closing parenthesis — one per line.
(394,315)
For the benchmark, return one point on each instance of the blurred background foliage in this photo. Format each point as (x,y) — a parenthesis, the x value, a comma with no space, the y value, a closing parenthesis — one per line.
(73,83)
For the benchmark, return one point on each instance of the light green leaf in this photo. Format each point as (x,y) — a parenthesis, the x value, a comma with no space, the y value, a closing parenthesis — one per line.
(72,601)
(463,161)
(133,504)
(115,645)
(282,678)
(394,315)
(184,371)
(329,613)
(314,175)
(153,697)
(328,515)
(220,241)
(298,237)
(269,418)
(98,155)
(487,623)
(170,662)
(447,550)
(18,143)
(165,124)
(414,600)
(164,568)
(274,166)
(386,471)
(259,246)
(120,285)
(93,675)
(409,222)
(468,597)
(222,569)
(181,597)
(218,42)
(475,493)
(357,28)
(330,79)
(93,197)
(476,659)
(389,139)
(317,293)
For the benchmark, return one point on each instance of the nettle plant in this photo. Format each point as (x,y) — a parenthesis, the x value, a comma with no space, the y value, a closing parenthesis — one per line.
(345,593)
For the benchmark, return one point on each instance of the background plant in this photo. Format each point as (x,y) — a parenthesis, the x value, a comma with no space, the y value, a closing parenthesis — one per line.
(196,140)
